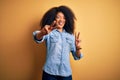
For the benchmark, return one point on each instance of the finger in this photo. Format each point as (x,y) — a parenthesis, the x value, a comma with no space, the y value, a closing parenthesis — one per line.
(53,24)
(46,29)
(75,35)
(78,35)
(78,40)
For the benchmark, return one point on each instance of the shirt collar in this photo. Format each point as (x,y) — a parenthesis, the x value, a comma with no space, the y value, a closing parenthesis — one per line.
(59,31)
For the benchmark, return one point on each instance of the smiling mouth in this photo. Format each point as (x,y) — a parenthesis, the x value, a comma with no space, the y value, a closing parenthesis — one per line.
(60,23)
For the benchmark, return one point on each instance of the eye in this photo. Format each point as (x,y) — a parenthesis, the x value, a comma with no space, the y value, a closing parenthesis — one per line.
(57,17)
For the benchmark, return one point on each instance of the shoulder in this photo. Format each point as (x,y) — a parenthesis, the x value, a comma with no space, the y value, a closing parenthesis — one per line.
(69,35)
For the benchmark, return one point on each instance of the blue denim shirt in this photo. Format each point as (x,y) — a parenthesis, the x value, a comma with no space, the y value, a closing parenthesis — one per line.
(59,45)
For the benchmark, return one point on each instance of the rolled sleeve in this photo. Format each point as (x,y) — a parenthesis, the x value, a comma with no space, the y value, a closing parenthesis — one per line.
(75,56)
(35,38)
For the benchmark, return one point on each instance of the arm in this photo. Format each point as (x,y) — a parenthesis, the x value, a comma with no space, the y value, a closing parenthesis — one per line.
(77,44)
(35,36)
(78,52)
(39,34)
(76,48)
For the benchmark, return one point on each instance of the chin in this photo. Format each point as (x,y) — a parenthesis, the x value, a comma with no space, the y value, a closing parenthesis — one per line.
(60,26)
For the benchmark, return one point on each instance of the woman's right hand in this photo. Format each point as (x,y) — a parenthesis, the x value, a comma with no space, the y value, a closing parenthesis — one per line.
(48,28)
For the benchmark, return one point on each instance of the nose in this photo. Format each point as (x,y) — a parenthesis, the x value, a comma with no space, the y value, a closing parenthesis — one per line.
(62,19)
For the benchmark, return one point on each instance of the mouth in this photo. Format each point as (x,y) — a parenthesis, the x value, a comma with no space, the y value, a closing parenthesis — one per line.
(61,23)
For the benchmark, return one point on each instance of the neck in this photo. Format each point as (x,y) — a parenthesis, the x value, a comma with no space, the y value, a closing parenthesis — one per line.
(61,30)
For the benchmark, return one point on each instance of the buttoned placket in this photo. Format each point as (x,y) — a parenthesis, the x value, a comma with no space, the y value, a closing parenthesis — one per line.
(62,51)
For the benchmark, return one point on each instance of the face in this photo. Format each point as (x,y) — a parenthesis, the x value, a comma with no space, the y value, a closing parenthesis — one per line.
(60,20)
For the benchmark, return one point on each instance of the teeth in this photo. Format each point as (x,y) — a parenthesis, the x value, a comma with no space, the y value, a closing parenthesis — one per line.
(60,23)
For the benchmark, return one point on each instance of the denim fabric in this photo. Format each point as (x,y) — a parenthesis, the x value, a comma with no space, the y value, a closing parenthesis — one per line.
(59,45)
(47,76)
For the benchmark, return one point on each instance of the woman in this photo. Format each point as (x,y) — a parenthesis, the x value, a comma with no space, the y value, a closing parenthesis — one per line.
(57,28)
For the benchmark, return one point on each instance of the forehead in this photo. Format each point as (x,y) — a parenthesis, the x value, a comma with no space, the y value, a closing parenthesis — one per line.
(60,14)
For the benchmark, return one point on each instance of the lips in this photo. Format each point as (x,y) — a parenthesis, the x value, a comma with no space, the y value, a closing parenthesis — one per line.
(60,23)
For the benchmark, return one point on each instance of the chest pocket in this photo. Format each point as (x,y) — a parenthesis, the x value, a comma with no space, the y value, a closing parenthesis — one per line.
(54,38)
(69,41)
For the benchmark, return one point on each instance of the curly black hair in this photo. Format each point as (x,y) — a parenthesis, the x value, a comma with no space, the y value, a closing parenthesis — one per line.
(50,15)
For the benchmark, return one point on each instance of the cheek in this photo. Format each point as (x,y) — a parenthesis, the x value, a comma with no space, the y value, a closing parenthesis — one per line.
(56,20)
(64,22)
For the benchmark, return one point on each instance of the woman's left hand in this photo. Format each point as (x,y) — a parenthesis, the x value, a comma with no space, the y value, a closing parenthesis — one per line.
(77,40)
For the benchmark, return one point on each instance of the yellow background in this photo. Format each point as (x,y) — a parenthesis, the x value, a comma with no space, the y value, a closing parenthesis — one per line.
(97,20)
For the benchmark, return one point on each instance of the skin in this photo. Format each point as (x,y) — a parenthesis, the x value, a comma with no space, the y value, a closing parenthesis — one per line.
(59,24)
